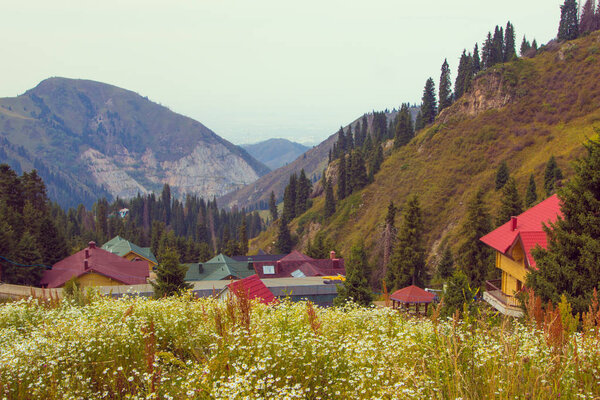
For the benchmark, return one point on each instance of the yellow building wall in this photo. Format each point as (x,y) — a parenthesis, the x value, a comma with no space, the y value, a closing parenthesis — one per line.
(513,270)
(132,256)
(94,279)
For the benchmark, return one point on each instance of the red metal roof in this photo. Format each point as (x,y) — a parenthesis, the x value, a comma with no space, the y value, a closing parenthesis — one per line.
(99,261)
(412,294)
(254,287)
(529,229)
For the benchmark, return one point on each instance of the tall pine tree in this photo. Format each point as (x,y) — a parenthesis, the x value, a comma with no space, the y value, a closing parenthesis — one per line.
(571,263)
(407,264)
(445,90)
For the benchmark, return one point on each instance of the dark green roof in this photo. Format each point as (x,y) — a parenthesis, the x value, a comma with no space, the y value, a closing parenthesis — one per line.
(218,268)
(121,247)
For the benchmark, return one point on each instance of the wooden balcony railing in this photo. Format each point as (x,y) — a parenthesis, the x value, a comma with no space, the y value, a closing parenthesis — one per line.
(493,289)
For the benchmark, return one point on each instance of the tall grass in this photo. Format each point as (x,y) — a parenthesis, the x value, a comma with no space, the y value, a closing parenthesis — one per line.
(184,348)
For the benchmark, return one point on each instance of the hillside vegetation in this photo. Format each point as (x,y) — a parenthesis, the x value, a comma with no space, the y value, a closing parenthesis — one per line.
(521,112)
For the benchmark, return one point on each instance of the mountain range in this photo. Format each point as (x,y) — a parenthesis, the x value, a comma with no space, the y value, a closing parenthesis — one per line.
(89,139)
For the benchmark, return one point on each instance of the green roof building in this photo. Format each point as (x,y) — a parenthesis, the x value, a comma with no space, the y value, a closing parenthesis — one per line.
(218,268)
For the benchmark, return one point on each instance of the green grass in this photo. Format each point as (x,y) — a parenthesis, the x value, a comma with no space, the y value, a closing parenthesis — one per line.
(204,349)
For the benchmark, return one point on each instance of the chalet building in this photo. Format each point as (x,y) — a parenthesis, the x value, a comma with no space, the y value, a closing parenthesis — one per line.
(513,243)
(298,265)
(126,249)
(218,268)
(94,266)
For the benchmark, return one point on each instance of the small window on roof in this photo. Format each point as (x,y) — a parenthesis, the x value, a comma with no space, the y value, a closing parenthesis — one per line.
(298,274)
(268,269)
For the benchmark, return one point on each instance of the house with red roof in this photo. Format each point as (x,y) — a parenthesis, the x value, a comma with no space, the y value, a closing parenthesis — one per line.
(94,266)
(513,243)
(252,288)
(298,265)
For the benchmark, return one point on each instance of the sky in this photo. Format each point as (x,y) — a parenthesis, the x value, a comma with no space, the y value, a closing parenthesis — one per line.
(257,69)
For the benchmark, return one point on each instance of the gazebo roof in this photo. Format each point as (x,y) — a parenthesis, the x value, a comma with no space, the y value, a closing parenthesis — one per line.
(412,294)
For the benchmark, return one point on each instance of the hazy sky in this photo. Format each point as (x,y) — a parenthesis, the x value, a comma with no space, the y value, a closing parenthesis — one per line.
(256,69)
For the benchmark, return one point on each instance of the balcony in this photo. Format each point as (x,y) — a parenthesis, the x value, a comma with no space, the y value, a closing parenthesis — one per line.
(507,305)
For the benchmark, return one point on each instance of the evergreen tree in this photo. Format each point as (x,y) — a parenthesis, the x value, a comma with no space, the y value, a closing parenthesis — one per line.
(571,263)
(407,264)
(509,42)
(568,28)
(552,175)
(445,93)
(302,193)
(284,239)
(464,75)
(446,265)
(587,22)
(358,174)
(404,126)
(498,45)
(273,207)
(342,179)
(488,52)
(476,63)
(170,275)
(356,287)
(475,257)
(329,199)
(502,175)
(531,195)
(243,245)
(525,46)
(429,103)
(289,198)
(26,253)
(510,203)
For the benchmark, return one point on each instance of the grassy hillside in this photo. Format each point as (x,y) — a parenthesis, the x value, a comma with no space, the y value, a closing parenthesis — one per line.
(522,112)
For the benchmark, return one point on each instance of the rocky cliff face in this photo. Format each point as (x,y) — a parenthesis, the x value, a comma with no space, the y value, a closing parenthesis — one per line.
(119,141)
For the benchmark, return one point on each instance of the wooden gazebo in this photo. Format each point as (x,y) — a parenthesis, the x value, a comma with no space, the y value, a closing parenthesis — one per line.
(411,295)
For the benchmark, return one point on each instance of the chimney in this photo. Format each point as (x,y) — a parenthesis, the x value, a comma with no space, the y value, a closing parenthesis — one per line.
(92,245)
(85,264)
(513,223)
(332,255)
(87,254)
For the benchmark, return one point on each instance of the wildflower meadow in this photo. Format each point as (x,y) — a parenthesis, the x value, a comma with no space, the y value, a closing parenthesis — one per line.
(186,348)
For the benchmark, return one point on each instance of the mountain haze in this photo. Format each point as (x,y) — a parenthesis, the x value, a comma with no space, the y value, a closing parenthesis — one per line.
(96,138)
(275,153)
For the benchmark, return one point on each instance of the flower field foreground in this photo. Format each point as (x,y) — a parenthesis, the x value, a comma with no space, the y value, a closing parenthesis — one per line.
(183,348)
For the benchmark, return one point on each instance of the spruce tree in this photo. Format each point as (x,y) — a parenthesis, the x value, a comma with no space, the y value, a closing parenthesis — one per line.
(571,263)
(445,266)
(429,103)
(329,199)
(356,286)
(284,244)
(475,257)
(342,179)
(568,28)
(510,203)
(358,174)
(476,61)
(552,175)
(509,42)
(273,207)
(525,46)
(531,195)
(502,175)
(445,90)
(407,264)
(170,275)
